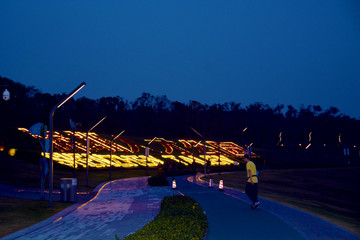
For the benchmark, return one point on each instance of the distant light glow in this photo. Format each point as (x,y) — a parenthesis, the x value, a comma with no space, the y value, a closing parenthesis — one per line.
(12,152)
(57,219)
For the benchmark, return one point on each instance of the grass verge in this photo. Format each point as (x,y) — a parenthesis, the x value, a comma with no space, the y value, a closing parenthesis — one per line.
(180,217)
(16,214)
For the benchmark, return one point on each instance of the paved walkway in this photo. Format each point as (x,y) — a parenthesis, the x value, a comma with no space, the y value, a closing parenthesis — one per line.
(123,206)
(229,215)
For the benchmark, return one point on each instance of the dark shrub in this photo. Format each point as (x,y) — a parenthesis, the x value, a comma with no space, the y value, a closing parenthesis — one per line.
(158,180)
(180,217)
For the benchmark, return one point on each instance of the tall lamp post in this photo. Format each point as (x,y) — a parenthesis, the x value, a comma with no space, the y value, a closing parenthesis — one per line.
(204,149)
(73,126)
(51,130)
(194,146)
(147,155)
(111,150)
(88,149)
(219,155)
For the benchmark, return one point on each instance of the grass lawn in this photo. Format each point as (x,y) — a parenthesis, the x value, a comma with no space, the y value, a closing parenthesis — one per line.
(332,194)
(16,214)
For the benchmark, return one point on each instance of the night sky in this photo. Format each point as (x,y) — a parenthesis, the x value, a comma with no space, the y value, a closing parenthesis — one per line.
(246,51)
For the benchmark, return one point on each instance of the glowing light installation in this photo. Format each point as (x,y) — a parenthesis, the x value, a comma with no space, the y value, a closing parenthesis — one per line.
(127,153)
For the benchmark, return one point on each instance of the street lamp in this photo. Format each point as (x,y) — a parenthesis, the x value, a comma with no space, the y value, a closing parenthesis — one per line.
(147,154)
(73,126)
(194,146)
(219,156)
(204,149)
(87,150)
(51,130)
(111,150)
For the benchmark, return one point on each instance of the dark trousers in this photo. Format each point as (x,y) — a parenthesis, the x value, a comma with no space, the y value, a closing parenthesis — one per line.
(252,191)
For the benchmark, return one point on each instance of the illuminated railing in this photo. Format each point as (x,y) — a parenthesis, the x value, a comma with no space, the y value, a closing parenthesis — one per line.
(125,157)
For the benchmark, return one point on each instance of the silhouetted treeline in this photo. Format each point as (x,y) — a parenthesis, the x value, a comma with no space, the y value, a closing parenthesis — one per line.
(150,116)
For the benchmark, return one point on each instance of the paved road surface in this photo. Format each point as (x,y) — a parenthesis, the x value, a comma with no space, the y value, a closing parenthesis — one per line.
(123,206)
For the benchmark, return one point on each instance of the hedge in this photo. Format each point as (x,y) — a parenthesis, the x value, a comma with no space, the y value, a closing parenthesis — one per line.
(158,180)
(180,217)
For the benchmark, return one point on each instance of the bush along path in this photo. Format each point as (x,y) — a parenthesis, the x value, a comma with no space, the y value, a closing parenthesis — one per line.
(180,217)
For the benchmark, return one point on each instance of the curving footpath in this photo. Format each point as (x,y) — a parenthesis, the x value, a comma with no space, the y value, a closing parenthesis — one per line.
(123,206)
(229,215)
(120,207)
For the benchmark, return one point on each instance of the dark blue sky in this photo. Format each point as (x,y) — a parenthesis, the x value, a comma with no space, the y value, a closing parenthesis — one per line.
(274,52)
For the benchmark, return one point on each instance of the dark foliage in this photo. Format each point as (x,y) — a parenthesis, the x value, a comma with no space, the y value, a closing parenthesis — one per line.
(180,217)
(150,116)
(158,180)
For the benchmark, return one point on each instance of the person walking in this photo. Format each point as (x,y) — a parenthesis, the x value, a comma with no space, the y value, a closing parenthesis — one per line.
(251,188)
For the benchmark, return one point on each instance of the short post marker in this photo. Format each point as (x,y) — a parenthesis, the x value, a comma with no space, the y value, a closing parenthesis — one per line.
(211,182)
(174,184)
(221,185)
